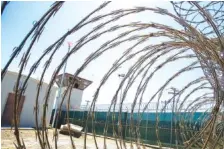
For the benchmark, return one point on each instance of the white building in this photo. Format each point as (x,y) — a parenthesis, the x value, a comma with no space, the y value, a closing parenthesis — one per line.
(27,115)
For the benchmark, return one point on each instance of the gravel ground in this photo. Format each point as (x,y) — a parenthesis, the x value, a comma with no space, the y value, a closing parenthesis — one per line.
(28,135)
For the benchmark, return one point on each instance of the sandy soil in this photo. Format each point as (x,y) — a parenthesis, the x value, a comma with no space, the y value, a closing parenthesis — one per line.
(7,139)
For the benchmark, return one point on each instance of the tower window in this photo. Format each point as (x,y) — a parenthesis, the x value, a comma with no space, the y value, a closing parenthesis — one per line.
(76,85)
(70,79)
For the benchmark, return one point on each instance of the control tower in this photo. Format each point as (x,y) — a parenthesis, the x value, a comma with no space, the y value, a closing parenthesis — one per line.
(76,93)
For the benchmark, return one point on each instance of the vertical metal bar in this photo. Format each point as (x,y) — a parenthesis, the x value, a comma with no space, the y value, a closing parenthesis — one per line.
(175,122)
(173,106)
(80,116)
(120,131)
(85,110)
(147,123)
(83,113)
(73,116)
(87,103)
(95,122)
(59,92)
(171,133)
(171,126)
(126,123)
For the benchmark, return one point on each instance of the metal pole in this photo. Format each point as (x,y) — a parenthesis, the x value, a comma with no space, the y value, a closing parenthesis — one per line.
(174,94)
(83,116)
(147,121)
(126,123)
(59,91)
(171,134)
(87,103)
(73,117)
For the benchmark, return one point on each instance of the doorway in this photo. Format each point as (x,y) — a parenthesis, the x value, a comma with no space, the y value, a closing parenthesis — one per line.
(7,117)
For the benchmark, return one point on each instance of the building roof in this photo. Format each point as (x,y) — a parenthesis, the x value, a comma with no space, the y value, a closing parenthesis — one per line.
(80,83)
(30,78)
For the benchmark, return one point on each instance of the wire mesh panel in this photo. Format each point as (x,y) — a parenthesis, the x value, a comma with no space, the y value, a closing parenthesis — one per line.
(146,128)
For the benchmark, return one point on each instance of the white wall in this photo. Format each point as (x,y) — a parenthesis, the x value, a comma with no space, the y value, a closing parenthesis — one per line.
(27,117)
(75,100)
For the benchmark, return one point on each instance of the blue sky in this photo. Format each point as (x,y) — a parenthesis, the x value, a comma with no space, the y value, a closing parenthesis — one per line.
(17,21)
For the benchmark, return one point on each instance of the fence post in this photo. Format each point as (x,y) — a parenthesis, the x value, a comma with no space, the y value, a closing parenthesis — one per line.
(147,120)
(125,122)
(73,116)
(83,113)
(95,121)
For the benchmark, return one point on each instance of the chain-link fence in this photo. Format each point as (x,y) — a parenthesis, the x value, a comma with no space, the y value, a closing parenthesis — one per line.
(144,123)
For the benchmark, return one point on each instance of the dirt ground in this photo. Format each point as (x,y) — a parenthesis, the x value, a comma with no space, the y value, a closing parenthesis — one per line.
(28,135)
